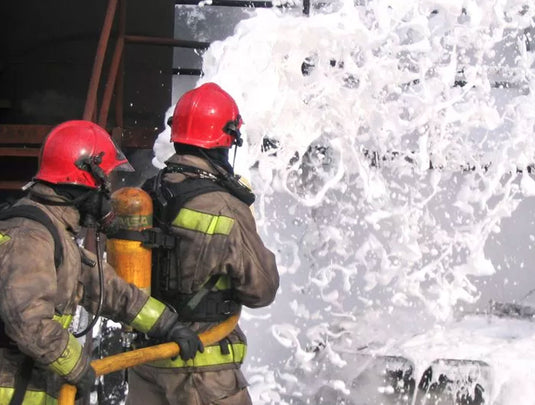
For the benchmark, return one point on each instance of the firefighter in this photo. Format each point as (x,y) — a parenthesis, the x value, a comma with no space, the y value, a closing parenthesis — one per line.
(210,259)
(44,274)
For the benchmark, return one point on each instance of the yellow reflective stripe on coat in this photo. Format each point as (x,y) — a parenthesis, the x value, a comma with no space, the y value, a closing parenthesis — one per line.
(201,222)
(149,314)
(211,356)
(66,362)
(30,397)
(223,283)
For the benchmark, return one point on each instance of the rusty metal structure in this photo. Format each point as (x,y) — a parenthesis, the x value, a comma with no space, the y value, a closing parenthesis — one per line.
(82,60)
(108,61)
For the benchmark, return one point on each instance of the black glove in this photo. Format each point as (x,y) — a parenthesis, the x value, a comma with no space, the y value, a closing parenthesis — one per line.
(188,340)
(85,383)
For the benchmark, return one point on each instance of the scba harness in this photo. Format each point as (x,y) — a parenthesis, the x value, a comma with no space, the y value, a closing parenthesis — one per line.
(214,302)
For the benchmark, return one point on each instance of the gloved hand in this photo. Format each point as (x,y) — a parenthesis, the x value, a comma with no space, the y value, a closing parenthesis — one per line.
(85,383)
(188,340)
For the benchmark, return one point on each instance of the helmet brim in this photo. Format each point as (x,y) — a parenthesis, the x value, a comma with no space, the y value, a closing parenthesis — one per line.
(124,167)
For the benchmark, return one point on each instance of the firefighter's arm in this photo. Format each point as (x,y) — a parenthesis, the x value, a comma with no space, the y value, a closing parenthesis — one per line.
(122,302)
(126,303)
(27,293)
(254,274)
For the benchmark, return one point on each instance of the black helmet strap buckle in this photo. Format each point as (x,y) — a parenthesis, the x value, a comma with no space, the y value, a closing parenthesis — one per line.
(233,129)
(91,164)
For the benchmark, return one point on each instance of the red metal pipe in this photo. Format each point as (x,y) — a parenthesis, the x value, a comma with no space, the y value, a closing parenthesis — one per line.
(108,91)
(119,83)
(90,105)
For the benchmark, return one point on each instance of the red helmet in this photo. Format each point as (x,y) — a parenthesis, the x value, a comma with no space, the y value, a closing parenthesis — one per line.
(80,153)
(207,117)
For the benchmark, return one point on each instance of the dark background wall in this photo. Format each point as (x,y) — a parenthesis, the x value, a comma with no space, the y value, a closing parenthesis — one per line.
(47,51)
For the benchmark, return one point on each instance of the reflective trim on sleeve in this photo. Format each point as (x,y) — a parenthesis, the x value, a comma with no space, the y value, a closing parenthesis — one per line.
(66,362)
(149,314)
(64,320)
(30,397)
(4,238)
(201,222)
(211,356)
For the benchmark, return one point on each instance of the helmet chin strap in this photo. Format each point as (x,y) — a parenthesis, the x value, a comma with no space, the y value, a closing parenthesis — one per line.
(232,128)
(235,153)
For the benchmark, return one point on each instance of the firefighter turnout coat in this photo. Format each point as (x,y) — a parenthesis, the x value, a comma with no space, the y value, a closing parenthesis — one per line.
(215,234)
(38,301)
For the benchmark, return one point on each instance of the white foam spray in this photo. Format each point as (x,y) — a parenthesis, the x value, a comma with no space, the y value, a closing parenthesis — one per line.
(385,152)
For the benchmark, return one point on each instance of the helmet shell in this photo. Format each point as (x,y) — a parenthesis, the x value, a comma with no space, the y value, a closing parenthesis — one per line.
(70,141)
(201,116)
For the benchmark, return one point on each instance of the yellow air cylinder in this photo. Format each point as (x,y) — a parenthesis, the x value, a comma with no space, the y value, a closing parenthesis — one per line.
(130,259)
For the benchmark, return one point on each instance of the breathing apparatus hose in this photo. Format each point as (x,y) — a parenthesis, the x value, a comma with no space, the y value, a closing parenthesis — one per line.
(101,291)
(90,223)
(158,352)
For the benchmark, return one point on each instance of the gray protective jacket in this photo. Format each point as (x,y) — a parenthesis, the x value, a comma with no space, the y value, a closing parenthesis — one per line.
(216,235)
(236,251)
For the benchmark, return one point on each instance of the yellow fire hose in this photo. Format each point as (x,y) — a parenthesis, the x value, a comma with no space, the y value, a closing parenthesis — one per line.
(136,357)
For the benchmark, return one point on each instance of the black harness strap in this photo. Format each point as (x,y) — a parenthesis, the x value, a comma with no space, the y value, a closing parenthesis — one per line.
(22,377)
(229,183)
(36,214)
(180,193)
(194,301)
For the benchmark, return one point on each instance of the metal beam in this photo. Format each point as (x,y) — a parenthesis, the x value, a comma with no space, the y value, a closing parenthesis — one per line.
(179,43)
(11,185)
(12,134)
(91,101)
(226,3)
(110,83)
(19,152)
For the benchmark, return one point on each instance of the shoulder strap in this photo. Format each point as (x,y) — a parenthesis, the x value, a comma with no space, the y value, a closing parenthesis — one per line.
(169,198)
(36,214)
(194,301)
(22,379)
(229,183)
(181,193)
